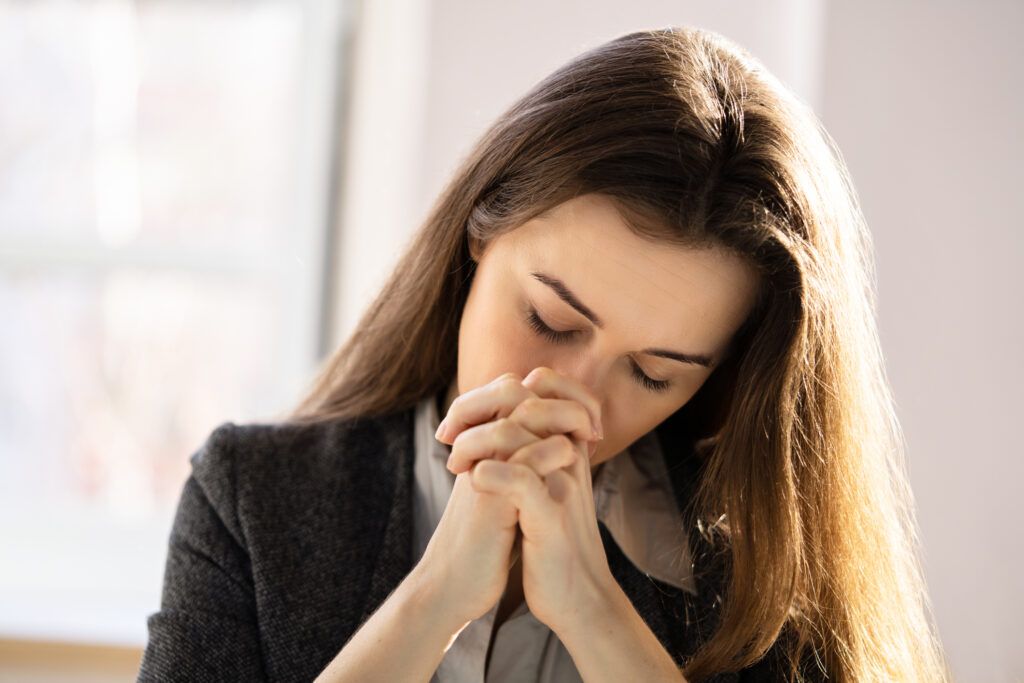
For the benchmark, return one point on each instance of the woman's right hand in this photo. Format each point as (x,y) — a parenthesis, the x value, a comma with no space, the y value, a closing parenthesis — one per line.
(468,558)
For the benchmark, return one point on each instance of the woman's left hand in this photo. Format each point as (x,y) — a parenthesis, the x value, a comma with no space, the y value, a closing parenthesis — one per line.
(566,577)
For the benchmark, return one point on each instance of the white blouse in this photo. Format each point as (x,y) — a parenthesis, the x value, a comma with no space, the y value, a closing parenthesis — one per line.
(633,498)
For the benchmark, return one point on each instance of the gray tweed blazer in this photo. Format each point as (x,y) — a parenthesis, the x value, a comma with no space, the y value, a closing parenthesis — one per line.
(287,538)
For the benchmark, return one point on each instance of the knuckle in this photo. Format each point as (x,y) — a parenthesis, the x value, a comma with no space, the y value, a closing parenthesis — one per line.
(508,380)
(528,458)
(531,403)
(505,429)
(508,389)
(495,471)
(542,372)
(552,459)
(481,472)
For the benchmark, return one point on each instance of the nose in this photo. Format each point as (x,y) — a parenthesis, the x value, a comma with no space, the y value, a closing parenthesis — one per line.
(584,369)
(588,371)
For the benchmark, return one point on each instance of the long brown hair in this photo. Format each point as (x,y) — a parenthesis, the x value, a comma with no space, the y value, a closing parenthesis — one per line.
(698,144)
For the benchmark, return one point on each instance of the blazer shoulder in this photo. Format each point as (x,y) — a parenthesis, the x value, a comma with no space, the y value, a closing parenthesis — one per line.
(243,466)
(247,448)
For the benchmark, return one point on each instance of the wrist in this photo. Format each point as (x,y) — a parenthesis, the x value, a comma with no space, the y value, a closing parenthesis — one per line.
(426,596)
(612,642)
(600,604)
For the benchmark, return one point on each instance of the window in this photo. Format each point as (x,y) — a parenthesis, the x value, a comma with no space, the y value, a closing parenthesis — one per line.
(165,187)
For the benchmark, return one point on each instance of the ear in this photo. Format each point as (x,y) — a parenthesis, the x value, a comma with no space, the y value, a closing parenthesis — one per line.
(476,248)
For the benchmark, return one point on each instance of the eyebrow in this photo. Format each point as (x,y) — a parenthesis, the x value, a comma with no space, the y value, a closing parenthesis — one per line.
(566,295)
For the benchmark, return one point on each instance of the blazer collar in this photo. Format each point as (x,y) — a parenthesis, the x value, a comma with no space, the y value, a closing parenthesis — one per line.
(662,606)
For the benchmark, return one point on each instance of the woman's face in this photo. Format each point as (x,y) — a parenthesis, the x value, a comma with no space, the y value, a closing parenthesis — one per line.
(611,298)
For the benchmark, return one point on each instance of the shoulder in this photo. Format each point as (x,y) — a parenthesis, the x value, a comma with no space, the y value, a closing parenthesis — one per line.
(257,469)
(249,451)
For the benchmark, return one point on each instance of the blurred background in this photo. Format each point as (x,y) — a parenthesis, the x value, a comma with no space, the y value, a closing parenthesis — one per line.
(197,199)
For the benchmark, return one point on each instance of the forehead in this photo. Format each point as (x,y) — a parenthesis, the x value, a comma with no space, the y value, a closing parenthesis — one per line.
(664,291)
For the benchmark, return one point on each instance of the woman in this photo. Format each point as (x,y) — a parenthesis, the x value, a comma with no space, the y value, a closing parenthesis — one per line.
(657,245)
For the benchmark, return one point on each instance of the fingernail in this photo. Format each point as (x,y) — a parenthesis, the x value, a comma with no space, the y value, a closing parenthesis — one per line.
(439,434)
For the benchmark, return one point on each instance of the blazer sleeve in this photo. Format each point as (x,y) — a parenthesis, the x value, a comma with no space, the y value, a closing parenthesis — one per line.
(206,628)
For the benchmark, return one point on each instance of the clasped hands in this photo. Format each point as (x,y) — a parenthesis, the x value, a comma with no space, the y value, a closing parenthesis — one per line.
(531,439)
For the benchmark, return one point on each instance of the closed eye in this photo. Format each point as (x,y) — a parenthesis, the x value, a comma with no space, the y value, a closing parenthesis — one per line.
(565,337)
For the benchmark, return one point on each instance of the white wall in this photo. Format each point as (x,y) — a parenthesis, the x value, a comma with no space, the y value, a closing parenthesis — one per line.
(485,55)
(924,100)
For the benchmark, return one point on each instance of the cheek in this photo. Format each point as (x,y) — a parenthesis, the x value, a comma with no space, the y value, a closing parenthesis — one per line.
(493,340)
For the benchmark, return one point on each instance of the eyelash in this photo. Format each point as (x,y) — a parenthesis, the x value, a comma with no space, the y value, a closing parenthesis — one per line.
(557,337)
